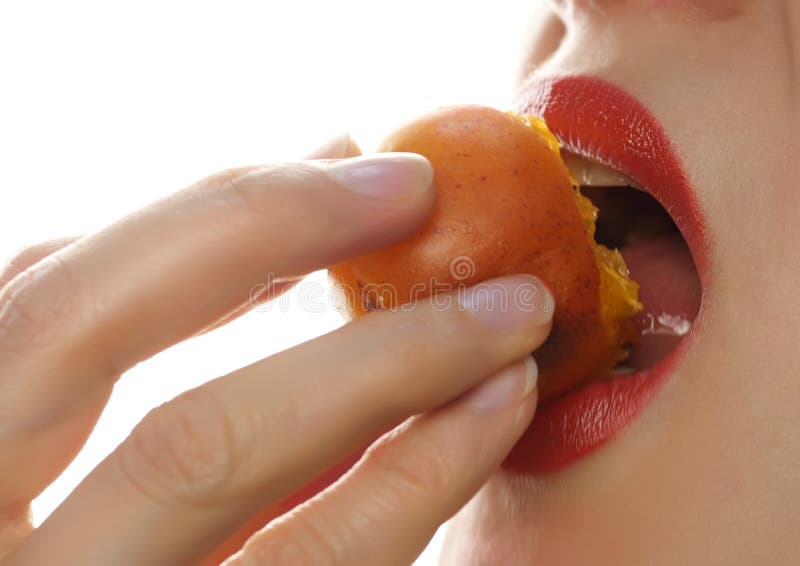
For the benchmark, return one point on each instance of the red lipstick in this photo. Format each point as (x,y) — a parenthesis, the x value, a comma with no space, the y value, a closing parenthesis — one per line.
(597,120)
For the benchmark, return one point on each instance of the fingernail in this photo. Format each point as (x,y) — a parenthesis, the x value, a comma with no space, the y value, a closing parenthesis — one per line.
(508,386)
(384,175)
(335,148)
(514,302)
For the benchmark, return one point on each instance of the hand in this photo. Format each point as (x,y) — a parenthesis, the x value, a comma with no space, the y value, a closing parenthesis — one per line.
(195,469)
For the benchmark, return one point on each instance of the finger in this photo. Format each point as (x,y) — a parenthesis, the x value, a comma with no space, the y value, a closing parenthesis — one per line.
(31,255)
(202,251)
(236,541)
(388,507)
(198,467)
(73,322)
(339,147)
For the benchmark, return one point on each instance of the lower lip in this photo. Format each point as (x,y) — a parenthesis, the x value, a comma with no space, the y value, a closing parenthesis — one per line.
(574,425)
(570,427)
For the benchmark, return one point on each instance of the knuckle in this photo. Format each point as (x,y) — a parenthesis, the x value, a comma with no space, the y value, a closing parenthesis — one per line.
(295,541)
(29,256)
(274,190)
(184,451)
(41,302)
(411,467)
(21,261)
(449,336)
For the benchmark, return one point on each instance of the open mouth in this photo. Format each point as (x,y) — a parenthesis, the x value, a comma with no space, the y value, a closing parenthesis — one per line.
(633,221)
(624,161)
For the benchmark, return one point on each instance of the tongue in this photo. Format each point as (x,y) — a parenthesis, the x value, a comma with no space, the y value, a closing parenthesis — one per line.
(670,291)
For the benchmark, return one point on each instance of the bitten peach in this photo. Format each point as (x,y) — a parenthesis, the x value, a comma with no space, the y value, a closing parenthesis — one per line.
(505,203)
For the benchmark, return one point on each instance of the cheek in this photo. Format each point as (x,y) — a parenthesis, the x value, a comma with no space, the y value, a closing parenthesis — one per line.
(706,10)
(500,526)
(543,36)
(703,10)
(480,534)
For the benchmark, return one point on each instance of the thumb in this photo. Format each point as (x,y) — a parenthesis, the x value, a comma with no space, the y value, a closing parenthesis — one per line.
(336,148)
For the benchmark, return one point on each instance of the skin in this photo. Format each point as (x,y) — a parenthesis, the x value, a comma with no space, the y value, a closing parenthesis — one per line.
(707,475)
(76,313)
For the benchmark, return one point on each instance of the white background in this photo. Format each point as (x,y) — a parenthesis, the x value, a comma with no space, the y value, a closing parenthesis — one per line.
(105,106)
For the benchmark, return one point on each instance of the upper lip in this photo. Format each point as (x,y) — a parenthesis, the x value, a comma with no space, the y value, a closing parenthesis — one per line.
(600,121)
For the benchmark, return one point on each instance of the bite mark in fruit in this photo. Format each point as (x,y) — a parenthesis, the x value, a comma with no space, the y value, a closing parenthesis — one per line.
(506,202)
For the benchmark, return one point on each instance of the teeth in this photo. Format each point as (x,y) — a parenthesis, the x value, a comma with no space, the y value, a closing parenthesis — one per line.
(591,173)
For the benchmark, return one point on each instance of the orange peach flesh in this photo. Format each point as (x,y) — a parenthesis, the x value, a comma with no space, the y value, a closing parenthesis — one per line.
(505,203)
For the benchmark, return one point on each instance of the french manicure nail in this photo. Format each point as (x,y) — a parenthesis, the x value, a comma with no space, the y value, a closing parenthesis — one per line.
(384,175)
(514,302)
(511,384)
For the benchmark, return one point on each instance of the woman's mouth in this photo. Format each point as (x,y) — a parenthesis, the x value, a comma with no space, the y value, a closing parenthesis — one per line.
(623,160)
(633,221)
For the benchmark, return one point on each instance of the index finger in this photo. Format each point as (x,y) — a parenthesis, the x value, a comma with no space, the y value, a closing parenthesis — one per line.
(198,467)
(72,323)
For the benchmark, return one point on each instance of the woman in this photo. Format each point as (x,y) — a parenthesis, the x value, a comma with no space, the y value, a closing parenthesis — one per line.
(702,474)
